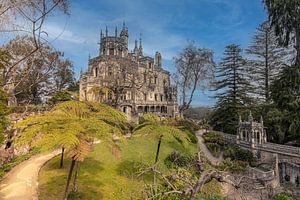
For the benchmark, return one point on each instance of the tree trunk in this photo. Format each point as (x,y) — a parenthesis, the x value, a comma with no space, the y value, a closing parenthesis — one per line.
(69,178)
(297,35)
(62,158)
(75,183)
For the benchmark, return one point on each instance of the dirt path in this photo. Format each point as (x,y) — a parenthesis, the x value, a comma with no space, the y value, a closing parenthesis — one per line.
(204,149)
(21,183)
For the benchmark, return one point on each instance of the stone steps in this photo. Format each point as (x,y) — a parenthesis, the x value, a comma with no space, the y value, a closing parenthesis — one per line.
(258,185)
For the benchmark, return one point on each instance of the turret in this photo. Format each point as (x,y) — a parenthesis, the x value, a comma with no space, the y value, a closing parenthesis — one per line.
(124,35)
(135,50)
(157,60)
(140,47)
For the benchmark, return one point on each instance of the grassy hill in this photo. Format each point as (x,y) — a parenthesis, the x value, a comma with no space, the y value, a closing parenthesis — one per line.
(110,172)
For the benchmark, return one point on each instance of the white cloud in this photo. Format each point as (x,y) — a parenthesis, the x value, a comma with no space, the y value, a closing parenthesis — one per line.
(58,32)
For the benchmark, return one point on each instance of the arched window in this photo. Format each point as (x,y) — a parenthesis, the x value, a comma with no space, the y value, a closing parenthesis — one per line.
(96,72)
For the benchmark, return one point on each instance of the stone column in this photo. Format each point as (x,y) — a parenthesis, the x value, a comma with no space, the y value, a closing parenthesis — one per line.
(252,139)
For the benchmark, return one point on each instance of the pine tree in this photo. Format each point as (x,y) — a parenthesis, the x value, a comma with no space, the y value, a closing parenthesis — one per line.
(266,60)
(232,87)
(285,18)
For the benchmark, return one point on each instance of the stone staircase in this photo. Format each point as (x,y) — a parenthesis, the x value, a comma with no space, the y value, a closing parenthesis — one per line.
(258,185)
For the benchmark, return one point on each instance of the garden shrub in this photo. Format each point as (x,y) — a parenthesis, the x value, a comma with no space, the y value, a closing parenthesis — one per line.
(213,188)
(234,166)
(176,159)
(235,152)
(60,96)
(282,196)
(214,137)
(214,148)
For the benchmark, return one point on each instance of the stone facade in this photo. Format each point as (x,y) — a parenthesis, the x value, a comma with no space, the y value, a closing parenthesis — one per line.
(128,80)
(251,133)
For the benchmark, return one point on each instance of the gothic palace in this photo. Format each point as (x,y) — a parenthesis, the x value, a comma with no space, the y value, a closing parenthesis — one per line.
(128,80)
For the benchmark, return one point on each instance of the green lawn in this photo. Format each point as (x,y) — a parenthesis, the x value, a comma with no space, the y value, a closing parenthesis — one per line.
(108,173)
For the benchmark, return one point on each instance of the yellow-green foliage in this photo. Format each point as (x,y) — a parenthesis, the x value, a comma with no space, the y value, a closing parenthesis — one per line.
(167,132)
(152,118)
(212,187)
(67,124)
(111,173)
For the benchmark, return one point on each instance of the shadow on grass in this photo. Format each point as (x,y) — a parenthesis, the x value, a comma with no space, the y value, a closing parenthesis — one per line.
(53,180)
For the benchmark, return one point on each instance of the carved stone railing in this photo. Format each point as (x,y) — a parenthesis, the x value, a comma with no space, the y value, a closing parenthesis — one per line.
(281,149)
(229,138)
(261,174)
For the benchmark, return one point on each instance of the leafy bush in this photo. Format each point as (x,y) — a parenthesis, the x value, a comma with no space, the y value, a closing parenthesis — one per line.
(234,166)
(214,137)
(188,125)
(234,152)
(282,196)
(213,188)
(60,96)
(176,159)
(192,136)
(214,148)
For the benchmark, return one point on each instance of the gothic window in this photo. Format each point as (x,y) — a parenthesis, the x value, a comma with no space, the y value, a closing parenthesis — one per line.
(161,97)
(155,96)
(145,77)
(155,79)
(145,97)
(110,73)
(129,95)
(95,72)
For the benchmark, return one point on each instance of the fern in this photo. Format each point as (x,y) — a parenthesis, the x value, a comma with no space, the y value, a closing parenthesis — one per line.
(69,125)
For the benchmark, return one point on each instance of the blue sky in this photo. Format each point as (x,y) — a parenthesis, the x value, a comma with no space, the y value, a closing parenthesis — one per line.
(166,26)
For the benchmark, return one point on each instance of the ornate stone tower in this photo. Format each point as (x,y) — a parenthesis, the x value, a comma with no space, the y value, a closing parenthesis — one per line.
(251,133)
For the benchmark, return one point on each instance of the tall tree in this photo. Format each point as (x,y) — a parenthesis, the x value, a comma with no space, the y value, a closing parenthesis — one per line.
(4,60)
(232,87)
(41,74)
(29,17)
(194,70)
(285,18)
(266,60)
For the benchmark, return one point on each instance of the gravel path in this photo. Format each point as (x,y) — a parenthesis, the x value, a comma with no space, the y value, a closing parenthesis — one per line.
(21,183)
(213,160)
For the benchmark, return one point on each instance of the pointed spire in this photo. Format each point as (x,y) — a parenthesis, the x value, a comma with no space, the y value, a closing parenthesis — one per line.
(140,40)
(261,120)
(135,44)
(124,25)
(106,32)
(81,72)
(250,118)
(101,34)
(116,31)
(89,56)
